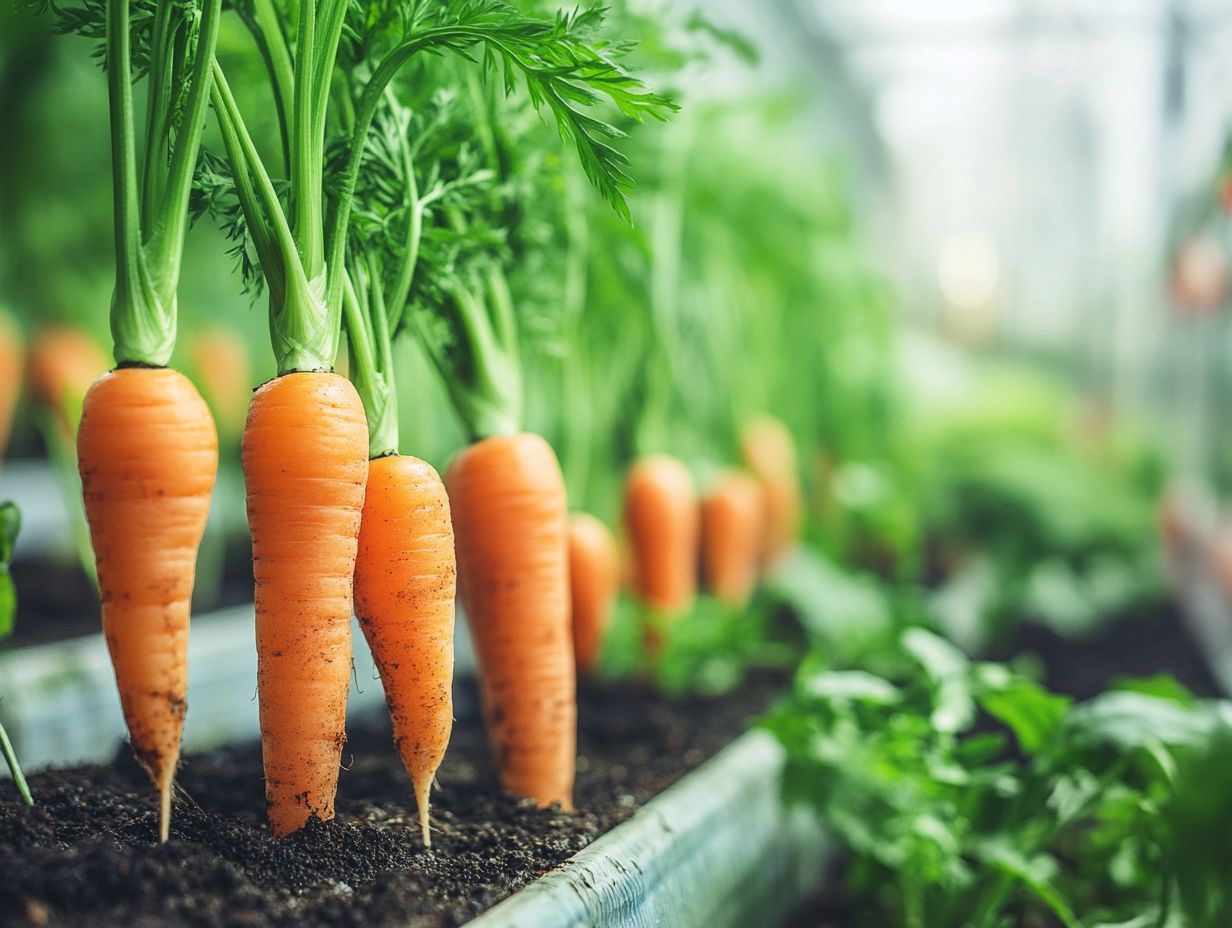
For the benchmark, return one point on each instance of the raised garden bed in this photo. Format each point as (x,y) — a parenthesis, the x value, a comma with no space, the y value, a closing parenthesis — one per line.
(85,855)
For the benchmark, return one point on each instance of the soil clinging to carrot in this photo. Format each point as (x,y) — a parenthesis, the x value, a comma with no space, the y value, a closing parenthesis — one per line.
(86,854)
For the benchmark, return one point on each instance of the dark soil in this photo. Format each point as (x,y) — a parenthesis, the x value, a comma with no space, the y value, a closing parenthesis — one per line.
(1149,640)
(85,855)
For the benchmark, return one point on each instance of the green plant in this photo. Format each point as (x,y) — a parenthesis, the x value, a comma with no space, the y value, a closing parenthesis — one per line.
(967,794)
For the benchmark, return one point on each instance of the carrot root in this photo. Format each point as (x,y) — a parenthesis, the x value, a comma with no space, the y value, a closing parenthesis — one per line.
(509,516)
(305,455)
(405,581)
(148,456)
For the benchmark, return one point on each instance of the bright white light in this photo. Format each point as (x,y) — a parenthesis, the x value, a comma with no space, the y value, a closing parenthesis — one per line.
(968,270)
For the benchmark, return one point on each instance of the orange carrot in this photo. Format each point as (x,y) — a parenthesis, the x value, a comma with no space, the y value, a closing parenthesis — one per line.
(405,579)
(11,361)
(594,580)
(770,453)
(62,363)
(305,454)
(220,358)
(509,516)
(148,454)
(732,533)
(661,519)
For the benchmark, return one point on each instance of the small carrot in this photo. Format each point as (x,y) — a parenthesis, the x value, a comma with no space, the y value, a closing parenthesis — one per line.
(405,579)
(594,581)
(770,453)
(305,455)
(661,519)
(12,357)
(509,517)
(148,454)
(220,359)
(732,533)
(61,365)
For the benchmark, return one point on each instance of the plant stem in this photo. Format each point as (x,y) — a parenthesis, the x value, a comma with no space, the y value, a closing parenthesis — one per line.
(10,757)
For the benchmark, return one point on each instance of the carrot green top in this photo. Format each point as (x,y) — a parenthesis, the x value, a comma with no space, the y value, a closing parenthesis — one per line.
(175,45)
(428,244)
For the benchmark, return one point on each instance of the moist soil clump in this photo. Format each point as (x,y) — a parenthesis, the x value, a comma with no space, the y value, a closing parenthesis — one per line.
(86,855)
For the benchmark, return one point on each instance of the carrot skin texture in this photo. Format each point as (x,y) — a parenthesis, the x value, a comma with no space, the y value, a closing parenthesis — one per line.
(661,519)
(594,582)
(732,532)
(769,451)
(509,518)
(305,456)
(405,581)
(148,456)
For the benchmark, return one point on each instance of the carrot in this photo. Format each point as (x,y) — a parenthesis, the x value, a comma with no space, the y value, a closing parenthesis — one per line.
(220,359)
(62,363)
(148,453)
(11,361)
(305,456)
(594,580)
(661,519)
(509,517)
(732,533)
(770,453)
(405,579)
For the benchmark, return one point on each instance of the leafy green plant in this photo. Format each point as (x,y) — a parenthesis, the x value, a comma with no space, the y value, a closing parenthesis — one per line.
(967,794)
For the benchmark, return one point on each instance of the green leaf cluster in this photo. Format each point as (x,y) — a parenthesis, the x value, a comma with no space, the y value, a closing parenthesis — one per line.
(967,794)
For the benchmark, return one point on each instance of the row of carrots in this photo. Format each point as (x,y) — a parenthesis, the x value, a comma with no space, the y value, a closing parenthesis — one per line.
(332,530)
(339,519)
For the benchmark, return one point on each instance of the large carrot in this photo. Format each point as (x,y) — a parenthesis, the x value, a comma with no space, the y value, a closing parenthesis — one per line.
(61,365)
(770,453)
(594,581)
(148,454)
(732,533)
(661,519)
(405,580)
(12,357)
(305,454)
(147,449)
(220,359)
(509,517)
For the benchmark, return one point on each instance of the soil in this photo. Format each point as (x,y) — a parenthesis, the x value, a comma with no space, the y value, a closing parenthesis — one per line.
(85,855)
(1151,639)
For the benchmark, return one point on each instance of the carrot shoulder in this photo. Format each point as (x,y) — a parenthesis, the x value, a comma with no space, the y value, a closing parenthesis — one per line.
(732,530)
(594,581)
(305,455)
(661,519)
(61,365)
(148,455)
(509,517)
(769,452)
(405,579)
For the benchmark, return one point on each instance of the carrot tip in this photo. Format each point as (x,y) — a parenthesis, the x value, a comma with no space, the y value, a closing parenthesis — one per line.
(164,812)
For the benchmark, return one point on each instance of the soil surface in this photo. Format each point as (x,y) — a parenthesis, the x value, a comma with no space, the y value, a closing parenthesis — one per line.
(1151,639)
(85,855)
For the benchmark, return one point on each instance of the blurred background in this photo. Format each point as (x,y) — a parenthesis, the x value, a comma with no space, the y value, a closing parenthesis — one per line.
(1004,224)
